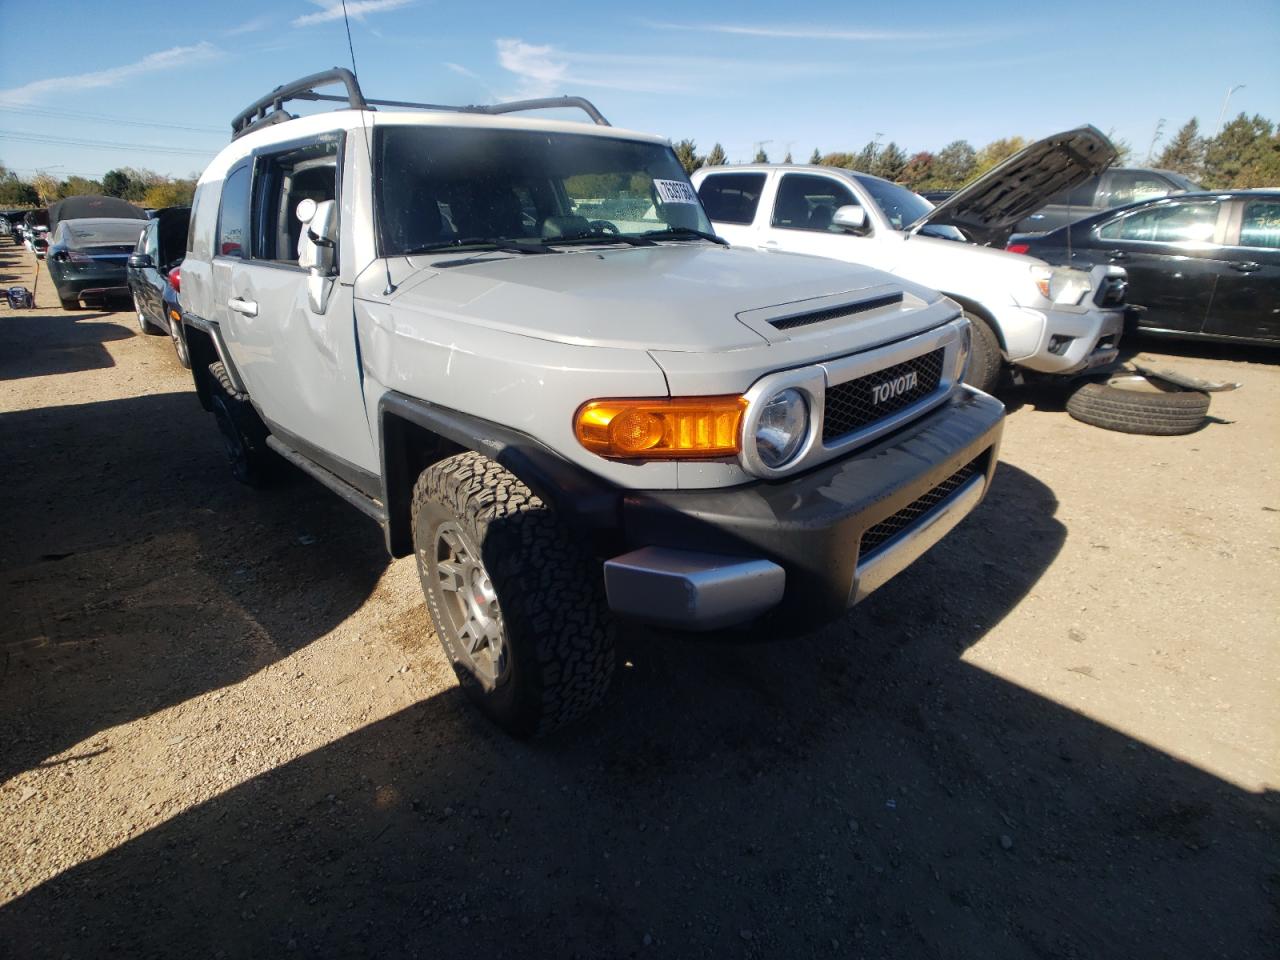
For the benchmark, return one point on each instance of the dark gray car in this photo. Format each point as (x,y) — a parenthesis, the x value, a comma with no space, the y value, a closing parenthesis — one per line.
(1111,188)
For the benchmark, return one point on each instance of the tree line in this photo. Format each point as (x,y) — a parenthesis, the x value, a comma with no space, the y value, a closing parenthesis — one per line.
(1244,153)
(143,187)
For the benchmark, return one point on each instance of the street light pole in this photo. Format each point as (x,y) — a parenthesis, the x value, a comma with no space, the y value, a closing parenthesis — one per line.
(1222,114)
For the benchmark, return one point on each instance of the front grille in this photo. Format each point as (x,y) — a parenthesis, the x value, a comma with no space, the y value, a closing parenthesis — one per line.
(835,313)
(888,528)
(852,405)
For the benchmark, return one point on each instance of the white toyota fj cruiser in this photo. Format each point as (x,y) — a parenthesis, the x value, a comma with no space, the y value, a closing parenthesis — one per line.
(518,346)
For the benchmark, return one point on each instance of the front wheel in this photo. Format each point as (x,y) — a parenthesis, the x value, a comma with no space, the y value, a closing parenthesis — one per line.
(516,602)
(985,359)
(179,342)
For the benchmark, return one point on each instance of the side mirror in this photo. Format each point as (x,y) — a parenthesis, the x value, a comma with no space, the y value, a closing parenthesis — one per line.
(141,261)
(316,245)
(851,218)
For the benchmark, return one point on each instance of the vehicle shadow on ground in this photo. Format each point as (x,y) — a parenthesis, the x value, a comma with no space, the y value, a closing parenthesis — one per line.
(101,625)
(861,791)
(1133,344)
(67,344)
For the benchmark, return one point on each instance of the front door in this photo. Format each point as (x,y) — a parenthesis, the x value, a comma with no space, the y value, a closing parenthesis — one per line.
(300,365)
(1173,253)
(801,220)
(1246,302)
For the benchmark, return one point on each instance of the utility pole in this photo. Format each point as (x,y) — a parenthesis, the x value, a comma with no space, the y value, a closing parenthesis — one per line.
(1222,114)
(1154,138)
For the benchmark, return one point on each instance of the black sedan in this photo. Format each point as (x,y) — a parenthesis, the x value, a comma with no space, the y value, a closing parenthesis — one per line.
(154,276)
(1201,264)
(87,258)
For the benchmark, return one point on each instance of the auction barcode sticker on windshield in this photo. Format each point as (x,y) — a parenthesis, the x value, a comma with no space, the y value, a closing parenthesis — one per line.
(675,191)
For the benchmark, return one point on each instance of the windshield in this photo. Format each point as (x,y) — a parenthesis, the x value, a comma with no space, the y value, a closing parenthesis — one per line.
(451,186)
(89,233)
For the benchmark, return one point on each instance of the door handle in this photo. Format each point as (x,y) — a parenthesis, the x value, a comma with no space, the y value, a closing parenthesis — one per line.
(240,305)
(1117,255)
(1249,266)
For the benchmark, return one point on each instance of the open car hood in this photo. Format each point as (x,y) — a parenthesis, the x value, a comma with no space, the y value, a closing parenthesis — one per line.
(987,209)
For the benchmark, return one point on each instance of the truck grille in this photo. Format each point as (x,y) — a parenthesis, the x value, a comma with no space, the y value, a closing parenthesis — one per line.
(887,529)
(852,405)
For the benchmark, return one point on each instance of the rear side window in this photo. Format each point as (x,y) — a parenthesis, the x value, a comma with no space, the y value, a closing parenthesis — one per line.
(1130,186)
(1260,225)
(1080,195)
(233,216)
(1167,223)
(732,197)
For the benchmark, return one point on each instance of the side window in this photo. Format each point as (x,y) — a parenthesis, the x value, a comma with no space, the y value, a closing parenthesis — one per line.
(1130,186)
(1166,223)
(233,216)
(1260,225)
(151,238)
(807,202)
(732,197)
(141,245)
(1080,195)
(285,179)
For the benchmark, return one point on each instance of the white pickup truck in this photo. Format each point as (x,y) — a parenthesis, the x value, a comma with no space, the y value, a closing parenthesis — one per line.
(1036,318)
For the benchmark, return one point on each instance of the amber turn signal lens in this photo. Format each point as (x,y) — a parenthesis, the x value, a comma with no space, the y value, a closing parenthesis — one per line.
(662,429)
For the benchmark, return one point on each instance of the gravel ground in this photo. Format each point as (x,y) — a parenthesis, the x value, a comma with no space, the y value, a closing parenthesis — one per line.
(226,729)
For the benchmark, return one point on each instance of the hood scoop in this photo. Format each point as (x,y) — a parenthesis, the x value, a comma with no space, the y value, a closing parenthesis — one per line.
(836,313)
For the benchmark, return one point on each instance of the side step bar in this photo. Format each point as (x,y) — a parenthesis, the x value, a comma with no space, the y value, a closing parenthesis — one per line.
(346,491)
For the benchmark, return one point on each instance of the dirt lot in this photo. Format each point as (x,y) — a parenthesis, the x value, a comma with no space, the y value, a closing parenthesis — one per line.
(226,729)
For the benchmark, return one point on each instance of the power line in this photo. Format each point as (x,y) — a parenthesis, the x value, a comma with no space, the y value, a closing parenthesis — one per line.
(99,118)
(101,144)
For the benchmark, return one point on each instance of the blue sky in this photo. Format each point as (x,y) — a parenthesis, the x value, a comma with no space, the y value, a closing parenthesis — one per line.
(165,78)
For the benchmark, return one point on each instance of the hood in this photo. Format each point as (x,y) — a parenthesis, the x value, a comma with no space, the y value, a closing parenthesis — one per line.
(988,208)
(677,297)
(90,207)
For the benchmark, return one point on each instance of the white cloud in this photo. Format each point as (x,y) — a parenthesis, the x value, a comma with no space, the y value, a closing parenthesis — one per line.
(151,63)
(544,70)
(249,26)
(356,10)
(795,32)
(460,69)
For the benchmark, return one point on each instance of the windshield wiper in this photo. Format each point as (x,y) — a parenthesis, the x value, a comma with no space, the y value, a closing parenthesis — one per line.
(684,233)
(599,238)
(484,243)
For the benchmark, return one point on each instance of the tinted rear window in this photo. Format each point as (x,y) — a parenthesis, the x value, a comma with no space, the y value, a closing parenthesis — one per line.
(732,197)
(90,233)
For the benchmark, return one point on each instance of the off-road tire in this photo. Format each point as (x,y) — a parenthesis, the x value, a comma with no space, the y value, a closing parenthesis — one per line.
(1158,412)
(69,303)
(985,359)
(557,628)
(243,433)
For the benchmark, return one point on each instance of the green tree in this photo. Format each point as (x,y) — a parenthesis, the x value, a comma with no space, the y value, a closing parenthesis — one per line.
(1184,154)
(76,186)
(1243,154)
(117,183)
(866,158)
(954,164)
(46,187)
(174,193)
(687,154)
(816,156)
(787,158)
(14,191)
(761,156)
(890,162)
(717,158)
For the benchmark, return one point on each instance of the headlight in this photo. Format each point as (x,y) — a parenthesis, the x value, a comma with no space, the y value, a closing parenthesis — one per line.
(1061,285)
(781,428)
(1043,277)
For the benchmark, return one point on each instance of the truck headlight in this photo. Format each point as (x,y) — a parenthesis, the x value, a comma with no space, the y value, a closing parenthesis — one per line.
(1043,277)
(1060,284)
(781,428)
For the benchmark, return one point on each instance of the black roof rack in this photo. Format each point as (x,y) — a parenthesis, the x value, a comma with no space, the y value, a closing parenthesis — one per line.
(270,109)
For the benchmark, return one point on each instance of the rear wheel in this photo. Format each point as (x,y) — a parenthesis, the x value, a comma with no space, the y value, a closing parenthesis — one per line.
(179,343)
(985,359)
(1134,404)
(244,435)
(516,602)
